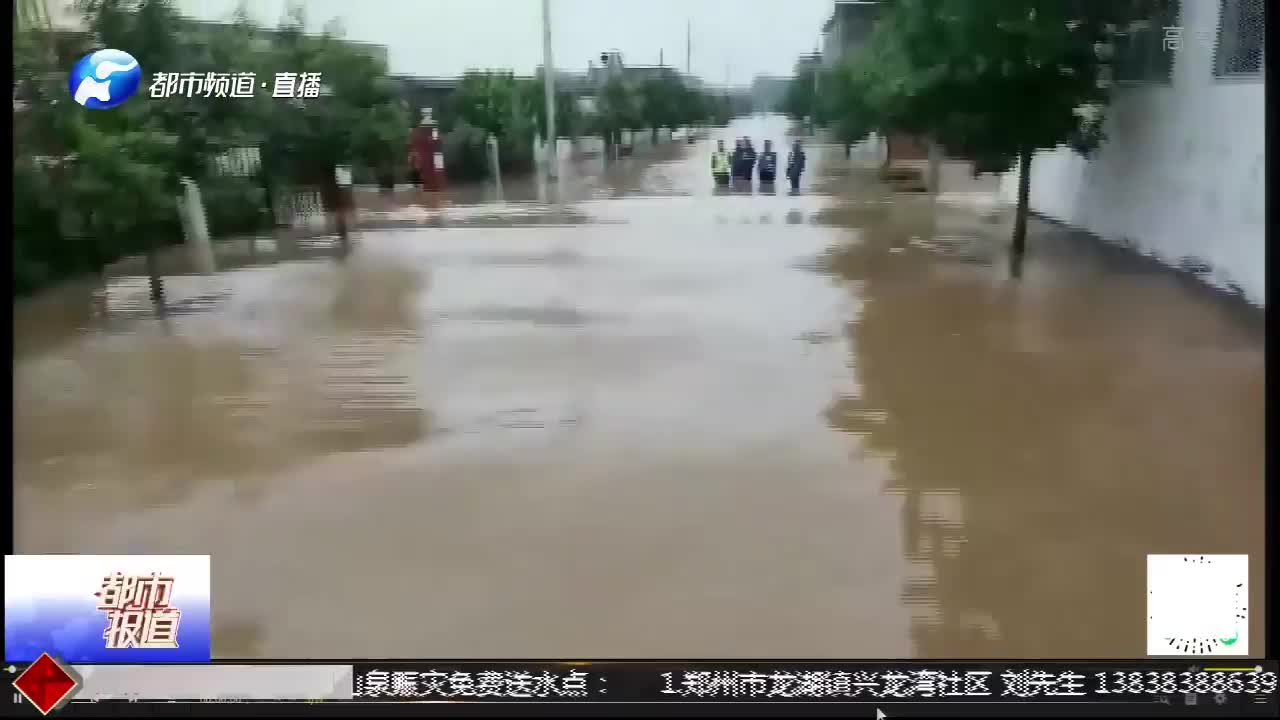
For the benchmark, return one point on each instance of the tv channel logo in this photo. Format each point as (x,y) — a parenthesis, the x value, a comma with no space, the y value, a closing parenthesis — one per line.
(104,79)
(107,608)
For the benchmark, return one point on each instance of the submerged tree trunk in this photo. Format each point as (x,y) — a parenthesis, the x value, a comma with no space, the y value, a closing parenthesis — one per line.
(1024,201)
(269,195)
(344,236)
(157,282)
(333,199)
(934,180)
(611,142)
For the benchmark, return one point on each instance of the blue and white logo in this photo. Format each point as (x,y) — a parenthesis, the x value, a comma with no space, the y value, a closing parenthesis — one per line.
(104,79)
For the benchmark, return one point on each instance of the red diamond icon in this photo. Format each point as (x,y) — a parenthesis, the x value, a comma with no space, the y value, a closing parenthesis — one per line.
(45,683)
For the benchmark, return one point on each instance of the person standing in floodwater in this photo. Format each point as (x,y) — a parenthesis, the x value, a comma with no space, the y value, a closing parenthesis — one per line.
(720,164)
(735,161)
(768,163)
(795,165)
(748,161)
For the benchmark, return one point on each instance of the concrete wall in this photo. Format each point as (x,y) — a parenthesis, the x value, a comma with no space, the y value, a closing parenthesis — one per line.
(1181,176)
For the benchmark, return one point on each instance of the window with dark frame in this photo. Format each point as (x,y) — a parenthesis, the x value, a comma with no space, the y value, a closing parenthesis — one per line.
(1241,37)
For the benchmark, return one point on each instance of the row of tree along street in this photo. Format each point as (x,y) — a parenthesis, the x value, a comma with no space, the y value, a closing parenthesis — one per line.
(513,110)
(91,187)
(989,81)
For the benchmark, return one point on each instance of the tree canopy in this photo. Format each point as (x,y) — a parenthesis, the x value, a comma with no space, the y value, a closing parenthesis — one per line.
(72,164)
(990,80)
(69,164)
(801,98)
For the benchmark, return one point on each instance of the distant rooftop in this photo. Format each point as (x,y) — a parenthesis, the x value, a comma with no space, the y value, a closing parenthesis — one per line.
(373,50)
(831,21)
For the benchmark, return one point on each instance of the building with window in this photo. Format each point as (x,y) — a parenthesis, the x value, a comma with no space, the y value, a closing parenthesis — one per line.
(1181,175)
(806,63)
(848,29)
(434,92)
(611,66)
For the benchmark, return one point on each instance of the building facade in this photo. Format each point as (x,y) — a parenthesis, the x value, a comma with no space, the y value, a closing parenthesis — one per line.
(848,29)
(57,15)
(611,66)
(807,62)
(1181,176)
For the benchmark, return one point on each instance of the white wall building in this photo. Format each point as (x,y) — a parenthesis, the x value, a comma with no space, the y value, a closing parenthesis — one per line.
(1182,173)
(50,14)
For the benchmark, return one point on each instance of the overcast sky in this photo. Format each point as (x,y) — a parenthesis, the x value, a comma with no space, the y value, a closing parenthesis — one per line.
(739,39)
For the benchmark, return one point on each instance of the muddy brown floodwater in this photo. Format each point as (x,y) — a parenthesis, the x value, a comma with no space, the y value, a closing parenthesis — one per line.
(633,419)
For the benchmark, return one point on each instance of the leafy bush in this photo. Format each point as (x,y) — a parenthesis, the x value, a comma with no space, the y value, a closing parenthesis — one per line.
(465,154)
(234,205)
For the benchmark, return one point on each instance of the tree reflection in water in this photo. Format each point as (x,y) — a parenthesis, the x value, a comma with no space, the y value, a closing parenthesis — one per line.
(1046,435)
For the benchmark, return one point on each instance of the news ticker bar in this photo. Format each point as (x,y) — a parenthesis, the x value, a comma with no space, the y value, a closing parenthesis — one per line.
(212,682)
(489,681)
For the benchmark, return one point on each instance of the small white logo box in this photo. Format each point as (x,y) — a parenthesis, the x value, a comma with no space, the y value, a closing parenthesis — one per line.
(1198,605)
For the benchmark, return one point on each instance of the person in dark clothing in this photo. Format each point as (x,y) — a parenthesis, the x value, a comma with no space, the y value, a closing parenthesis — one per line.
(768,163)
(795,165)
(739,158)
(748,161)
(735,160)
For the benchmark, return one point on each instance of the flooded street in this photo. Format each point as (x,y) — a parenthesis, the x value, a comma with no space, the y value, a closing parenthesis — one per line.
(634,418)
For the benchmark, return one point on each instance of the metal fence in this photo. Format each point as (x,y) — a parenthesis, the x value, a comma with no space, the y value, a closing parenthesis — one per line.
(1241,37)
(297,205)
(242,161)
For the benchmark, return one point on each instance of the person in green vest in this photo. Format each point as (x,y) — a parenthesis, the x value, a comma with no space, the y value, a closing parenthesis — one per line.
(720,164)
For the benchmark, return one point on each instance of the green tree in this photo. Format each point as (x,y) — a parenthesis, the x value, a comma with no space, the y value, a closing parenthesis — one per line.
(568,116)
(694,106)
(499,105)
(801,98)
(721,108)
(618,109)
(358,118)
(843,105)
(659,103)
(486,100)
(69,164)
(993,81)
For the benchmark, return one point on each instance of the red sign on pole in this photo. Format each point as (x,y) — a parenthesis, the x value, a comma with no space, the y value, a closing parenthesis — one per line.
(427,156)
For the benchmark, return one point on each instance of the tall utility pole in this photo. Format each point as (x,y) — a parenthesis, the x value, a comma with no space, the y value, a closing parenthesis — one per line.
(549,88)
(817,71)
(688,48)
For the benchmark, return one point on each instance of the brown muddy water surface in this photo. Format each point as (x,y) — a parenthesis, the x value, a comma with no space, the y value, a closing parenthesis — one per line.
(633,418)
